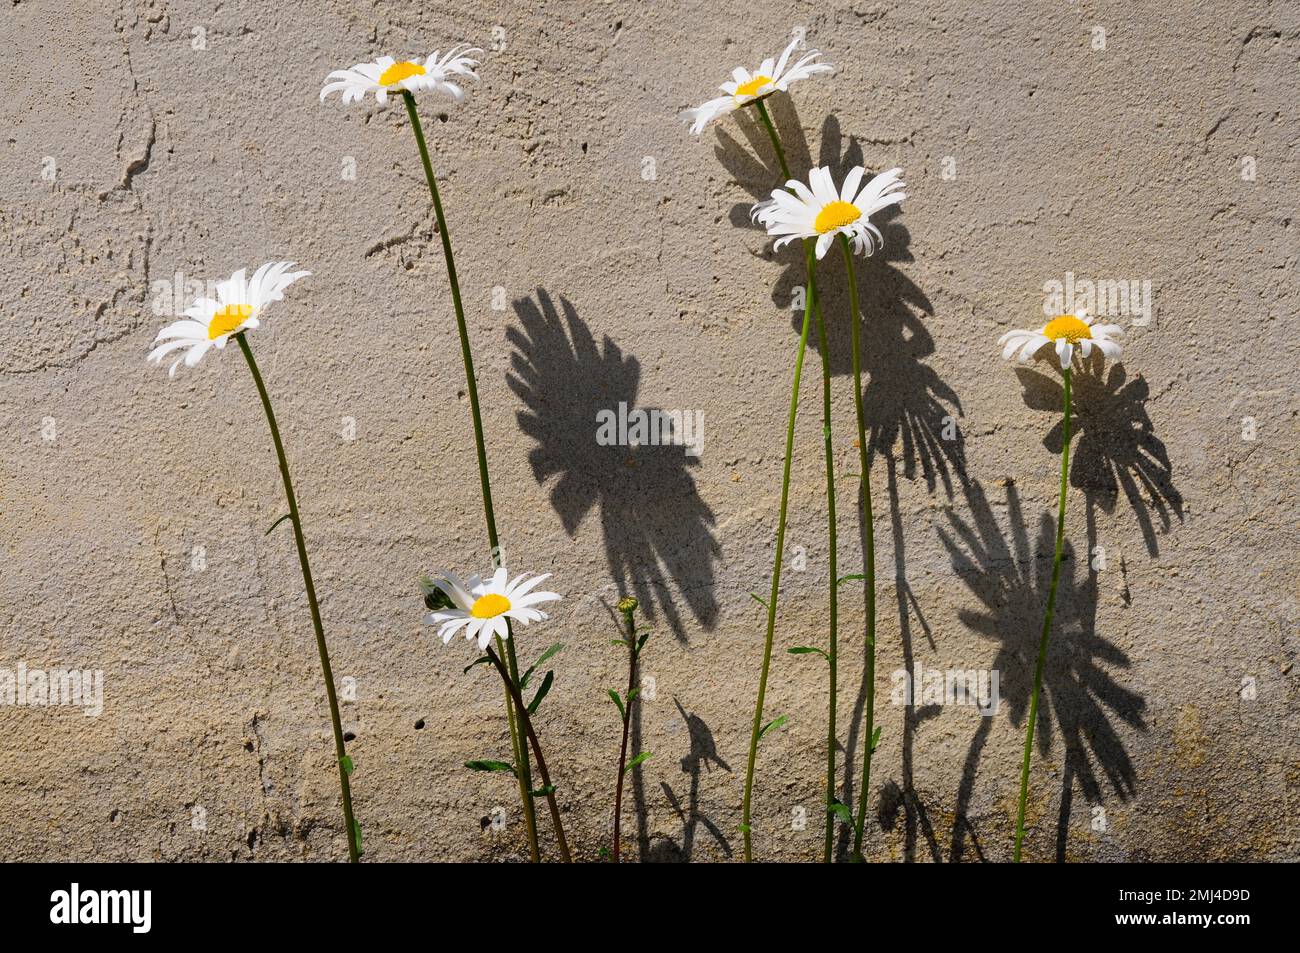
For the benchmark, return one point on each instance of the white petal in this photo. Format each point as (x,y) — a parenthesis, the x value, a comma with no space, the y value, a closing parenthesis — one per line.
(536,598)
(518,592)
(848,192)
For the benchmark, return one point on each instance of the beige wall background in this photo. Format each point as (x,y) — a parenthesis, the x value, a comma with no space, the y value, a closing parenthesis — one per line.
(147,139)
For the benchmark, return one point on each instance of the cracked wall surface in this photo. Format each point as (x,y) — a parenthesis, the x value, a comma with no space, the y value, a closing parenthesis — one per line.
(606,255)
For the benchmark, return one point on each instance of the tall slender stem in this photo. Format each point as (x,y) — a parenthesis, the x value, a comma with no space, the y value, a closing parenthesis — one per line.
(512,688)
(814,303)
(869,557)
(832,654)
(746,826)
(505,646)
(340,751)
(1032,717)
(628,701)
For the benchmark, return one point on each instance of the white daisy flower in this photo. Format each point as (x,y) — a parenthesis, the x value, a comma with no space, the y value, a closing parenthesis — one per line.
(1065,334)
(209,322)
(387,75)
(822,211)
(745,87)
(482,608)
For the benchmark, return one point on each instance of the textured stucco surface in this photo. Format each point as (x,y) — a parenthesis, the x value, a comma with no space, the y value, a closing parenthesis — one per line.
(1119,163)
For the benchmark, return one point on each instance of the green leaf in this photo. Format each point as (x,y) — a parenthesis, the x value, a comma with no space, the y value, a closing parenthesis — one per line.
(483,764)
(875,739)
(348,766)
(745,828)
(549,653)
(523,682)
(633,693)
(843,579)
(637,760)
(478,661)
(641,642)
(614,696)
(774,723)
(618,642)
(841,811)
(541,692)
(542,792)
(356,835)
(758,599)
(808,650)
(277,523)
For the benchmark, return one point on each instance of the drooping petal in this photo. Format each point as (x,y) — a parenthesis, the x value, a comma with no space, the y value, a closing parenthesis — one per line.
(455,590)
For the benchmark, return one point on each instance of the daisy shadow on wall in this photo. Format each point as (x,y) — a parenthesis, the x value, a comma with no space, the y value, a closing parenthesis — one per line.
(912,414)
(658,534)
(1116,448)
(1084,704)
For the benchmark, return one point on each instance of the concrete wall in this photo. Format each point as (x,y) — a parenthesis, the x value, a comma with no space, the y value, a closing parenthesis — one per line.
(157,138)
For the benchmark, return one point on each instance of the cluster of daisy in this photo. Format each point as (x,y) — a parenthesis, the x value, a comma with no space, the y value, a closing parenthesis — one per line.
(818,212)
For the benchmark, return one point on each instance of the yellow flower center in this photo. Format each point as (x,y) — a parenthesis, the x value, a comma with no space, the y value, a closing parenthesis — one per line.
(400,71)
(490,606)
(227,319)
(835,215)
(1069,327)
(753,86)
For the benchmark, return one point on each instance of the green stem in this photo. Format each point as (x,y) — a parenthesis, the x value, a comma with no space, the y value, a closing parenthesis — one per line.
(746,827)
(776,141)
(776,587)
(627,722)
(869,556)
(340,751)
(832,657)
(814,301)
(508,648)
(1047,623)
(512,688)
